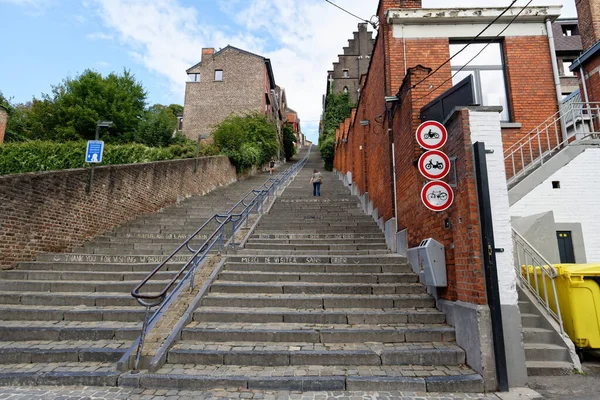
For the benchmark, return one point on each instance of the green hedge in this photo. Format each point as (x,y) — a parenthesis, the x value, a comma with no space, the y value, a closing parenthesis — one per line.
(37,156)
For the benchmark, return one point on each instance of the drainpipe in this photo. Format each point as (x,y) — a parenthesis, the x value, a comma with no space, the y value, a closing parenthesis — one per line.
(563,128)
(585,93)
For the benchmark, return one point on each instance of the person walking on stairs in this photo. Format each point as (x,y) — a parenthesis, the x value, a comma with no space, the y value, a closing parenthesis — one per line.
(316,180)
(271,166)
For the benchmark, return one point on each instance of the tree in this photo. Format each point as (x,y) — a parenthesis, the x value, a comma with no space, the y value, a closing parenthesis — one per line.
(288,142)
(249,140)
(338,107)
(156,127)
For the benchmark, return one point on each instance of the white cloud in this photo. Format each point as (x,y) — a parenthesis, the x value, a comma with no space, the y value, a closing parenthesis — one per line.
(103,64)
(99,36)
(302,38)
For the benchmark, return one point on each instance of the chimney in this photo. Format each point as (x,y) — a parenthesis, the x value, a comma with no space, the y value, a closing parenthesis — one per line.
(208,52)
(411,4)
(589,21)
(3,122)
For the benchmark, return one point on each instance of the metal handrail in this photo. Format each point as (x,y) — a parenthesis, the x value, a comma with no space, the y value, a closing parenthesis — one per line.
(258,197)
(537,146)
(528,261)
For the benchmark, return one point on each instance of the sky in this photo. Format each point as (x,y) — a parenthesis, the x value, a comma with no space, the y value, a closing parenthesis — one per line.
(45,41)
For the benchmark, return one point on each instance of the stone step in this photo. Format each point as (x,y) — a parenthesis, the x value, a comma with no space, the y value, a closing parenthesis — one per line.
(40,275)
(256,276)
(538,335)
(73,265)
(144,240)
(68,330)
(379,241)
(530,320)
(546,352)
(316,333)
(314,253)
(26,352)
(126,250)
(316,288)
(319,301)
(70,313)
(319,315)
(350,260)
(59,374)
(314,378)
(68,299)
(314,230)
(110,258)
(549,368)
(300,353)
(7,286)
(311,247)
(319,268)
(318,237)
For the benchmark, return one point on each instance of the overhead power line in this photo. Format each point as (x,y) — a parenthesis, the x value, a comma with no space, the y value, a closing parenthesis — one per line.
(354,15)
(467,45)
(480,51)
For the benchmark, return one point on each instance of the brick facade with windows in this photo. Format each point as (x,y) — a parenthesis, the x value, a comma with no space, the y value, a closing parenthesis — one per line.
(3,123)
(231,81)
(589,61)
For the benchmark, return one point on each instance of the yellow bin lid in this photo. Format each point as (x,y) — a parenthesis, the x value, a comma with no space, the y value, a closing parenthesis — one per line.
(578,269)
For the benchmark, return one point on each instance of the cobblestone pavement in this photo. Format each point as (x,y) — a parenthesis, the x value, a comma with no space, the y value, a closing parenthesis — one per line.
(99,393)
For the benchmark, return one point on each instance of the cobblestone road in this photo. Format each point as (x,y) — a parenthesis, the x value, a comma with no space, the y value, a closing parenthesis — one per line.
(93,393)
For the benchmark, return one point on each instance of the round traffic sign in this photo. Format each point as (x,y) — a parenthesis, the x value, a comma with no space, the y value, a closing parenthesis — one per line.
(437,195)
(434,164)
(431,135)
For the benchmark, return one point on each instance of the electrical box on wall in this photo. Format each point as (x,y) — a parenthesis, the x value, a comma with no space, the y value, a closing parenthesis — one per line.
(428,260)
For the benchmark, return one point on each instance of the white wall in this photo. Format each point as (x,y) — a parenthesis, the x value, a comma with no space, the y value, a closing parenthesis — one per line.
(577,200)
(485,127)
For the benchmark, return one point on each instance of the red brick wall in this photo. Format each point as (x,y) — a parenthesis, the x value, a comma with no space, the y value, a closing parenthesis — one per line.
(51,211)
(589,21)
(3,122)
(592,78)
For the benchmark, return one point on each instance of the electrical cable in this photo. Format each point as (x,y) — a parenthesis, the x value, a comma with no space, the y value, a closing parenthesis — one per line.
(481,51)
(354,15)
(467,45)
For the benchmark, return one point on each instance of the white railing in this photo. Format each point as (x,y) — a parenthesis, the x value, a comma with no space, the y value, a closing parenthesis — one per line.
(536,274)
(534,149)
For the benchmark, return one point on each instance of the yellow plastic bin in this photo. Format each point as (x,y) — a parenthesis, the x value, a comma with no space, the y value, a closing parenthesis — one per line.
(578,292)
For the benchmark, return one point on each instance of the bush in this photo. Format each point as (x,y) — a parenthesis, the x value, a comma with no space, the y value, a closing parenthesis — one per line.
(248,141)
(288,142)
(34,156)
(327,147)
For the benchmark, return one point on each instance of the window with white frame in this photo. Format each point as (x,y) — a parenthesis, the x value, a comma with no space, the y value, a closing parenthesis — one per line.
(486,65)
(193,77)
(566,65)
(218,75)
(345,89)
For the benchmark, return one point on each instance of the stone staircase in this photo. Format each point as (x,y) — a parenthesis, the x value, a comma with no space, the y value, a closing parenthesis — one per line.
(66,319)
(315,301)
(545,352)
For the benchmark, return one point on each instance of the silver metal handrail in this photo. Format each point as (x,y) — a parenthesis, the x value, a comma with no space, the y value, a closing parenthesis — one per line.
(534,149)
(253,201)
(528,262)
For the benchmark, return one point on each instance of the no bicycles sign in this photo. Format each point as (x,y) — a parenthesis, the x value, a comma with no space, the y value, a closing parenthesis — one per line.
(437,196)
(431,135)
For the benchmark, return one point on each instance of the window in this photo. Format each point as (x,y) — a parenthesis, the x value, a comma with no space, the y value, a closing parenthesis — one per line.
(487,70)
(566,70)
(218,75)
(555,184)
(193,77)
(570,30)
(345,89)
(346,73)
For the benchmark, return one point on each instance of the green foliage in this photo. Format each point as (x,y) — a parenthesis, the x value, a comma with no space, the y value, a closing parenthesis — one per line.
(288,142)
(327,147)
(338,107)
(157,127)
(34,156)
(249,140)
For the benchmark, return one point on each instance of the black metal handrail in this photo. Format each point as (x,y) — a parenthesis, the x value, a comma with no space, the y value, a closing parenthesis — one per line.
(257,197)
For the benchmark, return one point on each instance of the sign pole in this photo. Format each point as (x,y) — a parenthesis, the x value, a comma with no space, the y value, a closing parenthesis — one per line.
(97,136)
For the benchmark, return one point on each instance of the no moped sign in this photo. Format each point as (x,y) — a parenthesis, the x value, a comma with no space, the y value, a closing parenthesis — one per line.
(431,135)
(434,165)
(437,195)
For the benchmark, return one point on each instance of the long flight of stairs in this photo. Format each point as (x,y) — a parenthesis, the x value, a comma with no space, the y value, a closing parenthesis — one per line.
(66,319)
(315,301)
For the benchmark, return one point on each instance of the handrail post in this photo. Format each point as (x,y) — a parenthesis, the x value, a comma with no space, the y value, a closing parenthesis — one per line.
(141,342)
(232,233)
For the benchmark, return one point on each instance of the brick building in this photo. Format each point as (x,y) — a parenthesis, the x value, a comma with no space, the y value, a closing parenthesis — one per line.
(3,122)
(514,86)
(294,122)
(352,64)
(587,66)
(567,42)
(230,81)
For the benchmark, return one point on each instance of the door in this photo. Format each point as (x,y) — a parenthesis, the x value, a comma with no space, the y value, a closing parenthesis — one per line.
(565,247)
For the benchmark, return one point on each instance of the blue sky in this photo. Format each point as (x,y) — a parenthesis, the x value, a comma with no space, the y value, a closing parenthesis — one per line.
(45,41)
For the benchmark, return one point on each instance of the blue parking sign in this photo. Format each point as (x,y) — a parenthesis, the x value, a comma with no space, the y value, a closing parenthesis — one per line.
(94,151)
